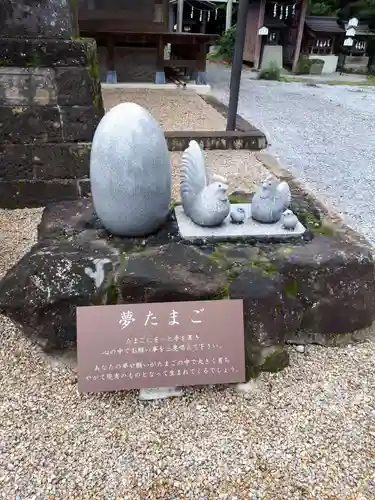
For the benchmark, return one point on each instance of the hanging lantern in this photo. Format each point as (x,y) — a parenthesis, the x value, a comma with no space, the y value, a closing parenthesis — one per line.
(274,10)
(192,13)
(294,9)
(281,11)
(200,15)
(208,15)
(286,11)
(216,14)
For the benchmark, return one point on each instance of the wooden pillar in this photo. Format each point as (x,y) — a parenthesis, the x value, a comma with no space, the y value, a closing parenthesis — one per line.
(228,16)
(204,22)
(160,74)
(201,58)
(180,15)
(301,24)
(258,44)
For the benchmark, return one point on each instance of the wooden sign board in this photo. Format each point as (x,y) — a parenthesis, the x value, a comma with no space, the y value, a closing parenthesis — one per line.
(139,346)
(263,31)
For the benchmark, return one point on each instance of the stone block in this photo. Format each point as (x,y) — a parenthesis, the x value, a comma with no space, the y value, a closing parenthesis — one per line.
(282,286)
(79,122)
(30,124)
(39,52)
(76,87)
(48,162)
(36,193)
(27,18)
(27,86)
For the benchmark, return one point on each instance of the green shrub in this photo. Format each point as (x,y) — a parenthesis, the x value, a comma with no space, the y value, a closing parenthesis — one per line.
(303,65)
(226,44)
(271,72)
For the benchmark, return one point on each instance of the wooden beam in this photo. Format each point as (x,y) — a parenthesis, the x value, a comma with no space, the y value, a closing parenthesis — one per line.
(301,24)
(259,41)
(111,54)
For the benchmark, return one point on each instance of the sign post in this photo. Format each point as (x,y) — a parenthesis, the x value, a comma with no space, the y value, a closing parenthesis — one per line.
(138,346)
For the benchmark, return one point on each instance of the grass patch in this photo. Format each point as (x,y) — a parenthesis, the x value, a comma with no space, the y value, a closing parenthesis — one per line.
(365,83)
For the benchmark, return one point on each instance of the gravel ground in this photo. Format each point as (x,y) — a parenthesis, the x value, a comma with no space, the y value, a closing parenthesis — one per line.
(174,109)
(241,168)
(305,433)
(324,134)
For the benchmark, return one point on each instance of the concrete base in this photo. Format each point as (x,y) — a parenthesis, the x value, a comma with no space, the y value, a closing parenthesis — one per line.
(111,77)
(201,78)
(160,78)
(272,54)
(330,62)
(248,229)
(199,89)
(159,393)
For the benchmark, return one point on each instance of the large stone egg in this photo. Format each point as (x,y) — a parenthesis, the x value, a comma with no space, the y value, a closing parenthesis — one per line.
(130,171)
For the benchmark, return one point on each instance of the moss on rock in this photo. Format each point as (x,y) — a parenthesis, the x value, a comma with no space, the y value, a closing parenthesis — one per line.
(275,359)
(261,262)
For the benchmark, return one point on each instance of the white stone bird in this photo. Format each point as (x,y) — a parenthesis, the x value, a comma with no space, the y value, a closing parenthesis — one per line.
(270,201)
(237,214)
(289,220)
(204,197)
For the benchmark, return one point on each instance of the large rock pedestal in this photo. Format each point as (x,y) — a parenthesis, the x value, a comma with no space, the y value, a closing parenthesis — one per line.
(319,289)
(50,104)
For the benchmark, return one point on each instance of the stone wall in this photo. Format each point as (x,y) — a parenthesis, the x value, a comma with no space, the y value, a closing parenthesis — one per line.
(50,105)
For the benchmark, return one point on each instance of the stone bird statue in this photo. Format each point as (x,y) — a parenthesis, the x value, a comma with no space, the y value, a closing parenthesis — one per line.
(289,220)
(204,197)
(270,201)
(237,215)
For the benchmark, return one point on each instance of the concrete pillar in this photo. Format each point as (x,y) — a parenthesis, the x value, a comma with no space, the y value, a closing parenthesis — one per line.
(228,18)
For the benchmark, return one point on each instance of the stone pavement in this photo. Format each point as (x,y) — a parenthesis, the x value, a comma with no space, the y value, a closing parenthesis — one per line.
(325,135)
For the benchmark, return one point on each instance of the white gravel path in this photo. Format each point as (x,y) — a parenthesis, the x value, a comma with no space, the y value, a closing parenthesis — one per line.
(325,135)
(305,433)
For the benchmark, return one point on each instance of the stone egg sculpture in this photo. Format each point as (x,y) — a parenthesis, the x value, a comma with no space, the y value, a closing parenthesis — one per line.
(130,171)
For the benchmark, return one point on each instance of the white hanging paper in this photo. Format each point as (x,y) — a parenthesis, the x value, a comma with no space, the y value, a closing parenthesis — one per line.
(200,15)
(208,15)
(192,13)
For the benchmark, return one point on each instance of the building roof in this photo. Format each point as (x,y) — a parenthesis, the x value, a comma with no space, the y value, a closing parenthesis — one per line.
(361,30)
(323,24)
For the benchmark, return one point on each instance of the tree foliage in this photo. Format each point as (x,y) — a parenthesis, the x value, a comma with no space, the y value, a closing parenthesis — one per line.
(364,10)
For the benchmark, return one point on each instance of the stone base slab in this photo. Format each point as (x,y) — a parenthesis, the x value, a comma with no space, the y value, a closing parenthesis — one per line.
(227,231)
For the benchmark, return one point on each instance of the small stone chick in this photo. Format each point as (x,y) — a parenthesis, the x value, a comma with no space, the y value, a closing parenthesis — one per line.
(289,220)
(237,215)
